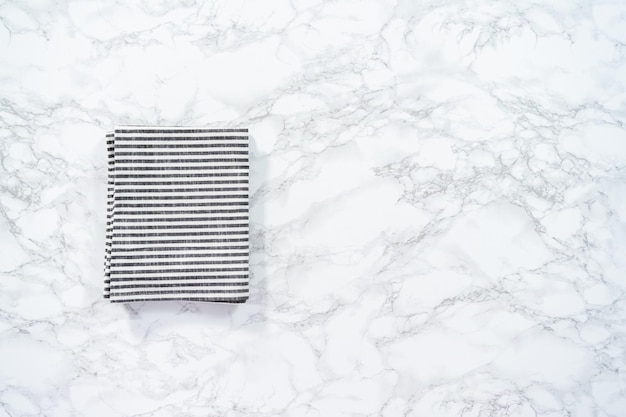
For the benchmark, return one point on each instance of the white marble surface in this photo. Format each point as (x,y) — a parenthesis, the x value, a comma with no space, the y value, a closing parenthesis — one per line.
(438,207)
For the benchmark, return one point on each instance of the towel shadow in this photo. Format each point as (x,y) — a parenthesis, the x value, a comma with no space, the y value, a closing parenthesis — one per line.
(250,315)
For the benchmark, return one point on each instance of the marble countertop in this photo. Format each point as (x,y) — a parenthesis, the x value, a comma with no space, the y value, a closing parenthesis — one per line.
(438,208)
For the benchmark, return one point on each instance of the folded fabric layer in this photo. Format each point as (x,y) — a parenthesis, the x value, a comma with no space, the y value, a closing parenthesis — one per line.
(177,214)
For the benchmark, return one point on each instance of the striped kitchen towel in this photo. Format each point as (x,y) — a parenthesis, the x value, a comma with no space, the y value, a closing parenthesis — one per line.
(177,214)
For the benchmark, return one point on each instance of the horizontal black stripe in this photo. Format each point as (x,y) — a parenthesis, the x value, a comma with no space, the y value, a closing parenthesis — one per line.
(181,219)
(176,248)
(175,143)
(180,197)
(179,190)
(185,284)
(173,291)
(181,212)
(183,226)
(182,204)
(230,300)
(193,182)
(164,271)
(186,277)
(186,175)
(178,161)
(172,263)
(174,153)
(180,145)
(181,241)
(208,139)
(203,233)
(183,255)
(141,129)
(182,168)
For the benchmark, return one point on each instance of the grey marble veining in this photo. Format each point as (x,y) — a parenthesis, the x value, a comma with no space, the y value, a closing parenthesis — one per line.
(438,208)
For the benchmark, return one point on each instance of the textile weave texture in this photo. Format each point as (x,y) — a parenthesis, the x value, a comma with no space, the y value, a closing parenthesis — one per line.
(177,214)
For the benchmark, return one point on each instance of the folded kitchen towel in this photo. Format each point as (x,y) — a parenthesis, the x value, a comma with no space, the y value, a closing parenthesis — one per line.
(177,214)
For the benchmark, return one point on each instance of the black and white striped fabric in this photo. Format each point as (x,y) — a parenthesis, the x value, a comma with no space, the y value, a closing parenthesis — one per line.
(177,214)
